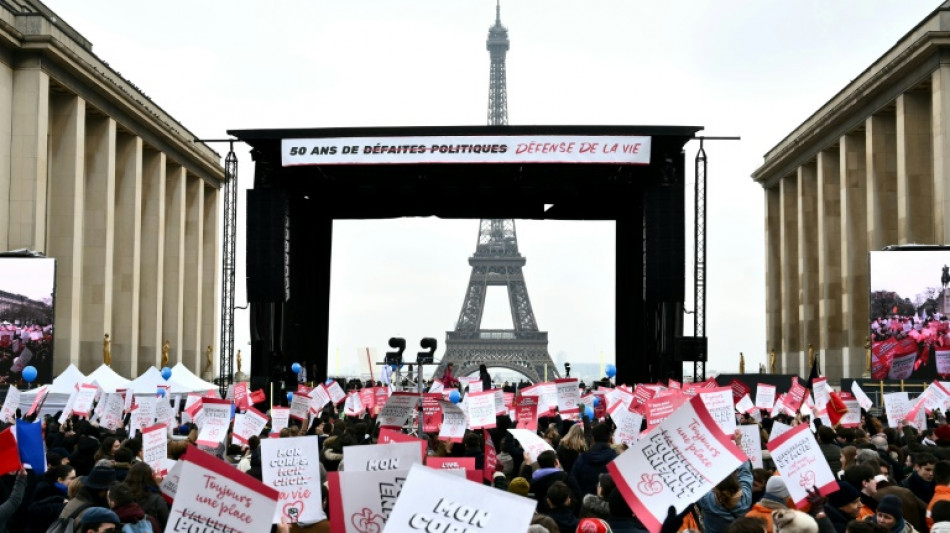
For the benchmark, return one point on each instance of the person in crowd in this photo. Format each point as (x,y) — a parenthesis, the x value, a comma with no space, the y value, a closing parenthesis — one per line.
(596,505)
(448,380)
(730,499)
(50,496)
(560,506)
(921,480)
(98,519)
(122,462)
(890,514)
(592,463)
(760,477)
(519,486)
(107,449)
(940,513)
(571,446)
(848,453)
(844,505)
(93,491)
(549,471)
(484,377)
(13,501)
(747,524)
(474,448)
(622,519)
(776,498)
(941,488)
(829,448)
(145,491)
(127,509)
(863,477)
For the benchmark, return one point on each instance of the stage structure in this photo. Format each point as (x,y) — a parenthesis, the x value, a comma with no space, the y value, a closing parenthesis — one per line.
(307,178)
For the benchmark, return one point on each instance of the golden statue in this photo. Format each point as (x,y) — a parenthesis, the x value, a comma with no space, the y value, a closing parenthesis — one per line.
(106,350)
(239,360)
(811,355)
(772,361)
(208,351)
(165,348)
(741,363)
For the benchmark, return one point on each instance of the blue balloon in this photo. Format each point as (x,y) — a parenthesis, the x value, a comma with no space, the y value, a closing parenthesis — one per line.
(161,393)
(588,412)
(455,397)
(611,371)
(290,397)
(166,373)
(29,374)
(596,401)
(296,368)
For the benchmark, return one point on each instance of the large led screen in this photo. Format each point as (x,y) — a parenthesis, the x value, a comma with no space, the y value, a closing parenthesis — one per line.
(910,314)
(27,290)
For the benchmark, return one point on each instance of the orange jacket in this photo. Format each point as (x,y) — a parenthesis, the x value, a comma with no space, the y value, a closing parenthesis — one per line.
(941,493)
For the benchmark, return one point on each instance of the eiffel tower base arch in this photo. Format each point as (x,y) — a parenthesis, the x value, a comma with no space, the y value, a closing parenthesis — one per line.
(526,358)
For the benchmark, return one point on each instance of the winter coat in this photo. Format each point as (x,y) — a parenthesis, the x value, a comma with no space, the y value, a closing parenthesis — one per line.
(542,480)
(132,513)
(717,518)
(590,465)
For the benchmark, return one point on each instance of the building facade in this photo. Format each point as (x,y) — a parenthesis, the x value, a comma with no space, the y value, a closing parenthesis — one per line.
(96,175)
(867,170)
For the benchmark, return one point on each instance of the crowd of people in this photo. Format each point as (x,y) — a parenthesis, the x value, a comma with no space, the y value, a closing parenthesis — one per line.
(890,480)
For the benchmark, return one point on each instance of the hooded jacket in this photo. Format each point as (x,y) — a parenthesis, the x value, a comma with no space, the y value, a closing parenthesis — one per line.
(716,517)
(590,465)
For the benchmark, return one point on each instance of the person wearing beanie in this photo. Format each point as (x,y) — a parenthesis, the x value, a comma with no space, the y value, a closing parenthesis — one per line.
(862,477)
(93,491)
(941,517)
(843,506)
(519,486)
(776,498)
(890,514)
(94,518)
(592,525)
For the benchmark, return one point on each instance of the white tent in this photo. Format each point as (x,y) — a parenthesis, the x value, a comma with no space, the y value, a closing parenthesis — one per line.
(58,392)
(148,383)
(64,383)
(187,378)
(107,379)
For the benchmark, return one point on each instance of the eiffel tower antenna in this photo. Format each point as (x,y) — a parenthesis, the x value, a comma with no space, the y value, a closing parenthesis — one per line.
(497,262)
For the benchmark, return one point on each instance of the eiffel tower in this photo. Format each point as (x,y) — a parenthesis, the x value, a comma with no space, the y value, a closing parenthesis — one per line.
(497,262)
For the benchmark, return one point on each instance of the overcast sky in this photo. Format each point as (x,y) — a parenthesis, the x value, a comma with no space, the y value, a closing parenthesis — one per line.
(738,68)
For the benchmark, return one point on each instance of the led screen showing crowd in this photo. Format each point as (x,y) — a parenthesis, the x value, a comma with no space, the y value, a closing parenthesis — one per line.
(27,289)
(910,314)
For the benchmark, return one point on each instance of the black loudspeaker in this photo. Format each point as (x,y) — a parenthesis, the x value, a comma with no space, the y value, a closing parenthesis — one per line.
(268,246)
(689,349)
(665,243)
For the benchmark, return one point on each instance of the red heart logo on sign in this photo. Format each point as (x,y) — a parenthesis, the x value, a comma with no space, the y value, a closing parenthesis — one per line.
(367,522)
(293,510)
(649,485)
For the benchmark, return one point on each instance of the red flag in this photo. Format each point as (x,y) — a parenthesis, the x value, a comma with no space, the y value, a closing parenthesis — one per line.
(258,396)
(9,457)
(491,457)
(836,408)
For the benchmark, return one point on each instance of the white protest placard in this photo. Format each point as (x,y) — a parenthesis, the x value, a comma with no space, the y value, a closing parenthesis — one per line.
(143,414)
(217,419)
(454,422)
(353,406)
(437,386)
(336,392)
(191,399)
(859,395)
(112,411)
(628,425)
(68,409)
(458,505)
(155,447)
(363,500)
(721,407)
(532,444)
(10,404)
(745,405)
(214,495)
(169,484)
(682,459)
(801,463)
(397,410)
(164,414)
(500,408)
(852,418)
(764,396)
(568,395)
(300,406)
(821,392)
(751,444)
(292,466)
(318,398)
(392,456)
(481,409)
(38,399)
(474,385)
(252,422)
(897,405)
(618,396)
(82,405)
(279,418)
(778,429)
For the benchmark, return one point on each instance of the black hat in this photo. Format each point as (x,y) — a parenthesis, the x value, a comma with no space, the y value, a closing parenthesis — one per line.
(101,478)
(845,494)
(891,505)
(99,515)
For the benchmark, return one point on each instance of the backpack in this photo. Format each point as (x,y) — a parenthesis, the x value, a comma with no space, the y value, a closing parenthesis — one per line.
(67,524)
(142,526)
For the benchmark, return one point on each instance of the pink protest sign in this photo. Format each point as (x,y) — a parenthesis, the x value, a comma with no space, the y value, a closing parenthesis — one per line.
(526,411)
(676,463)
(451,463)
(801,463)
(212,495)
(658,409)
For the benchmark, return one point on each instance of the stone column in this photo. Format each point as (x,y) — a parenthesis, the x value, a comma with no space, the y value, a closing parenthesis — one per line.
(211,278)
(6,143)
(915,181)
(194,220)
(881,143)
(791,349)
(808,260)
(174,271)
(98,237)
(829,263)
(126,274)
(66,196)
(153,259)
(940,103)
(854,252)
(773,272)
(28,164)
